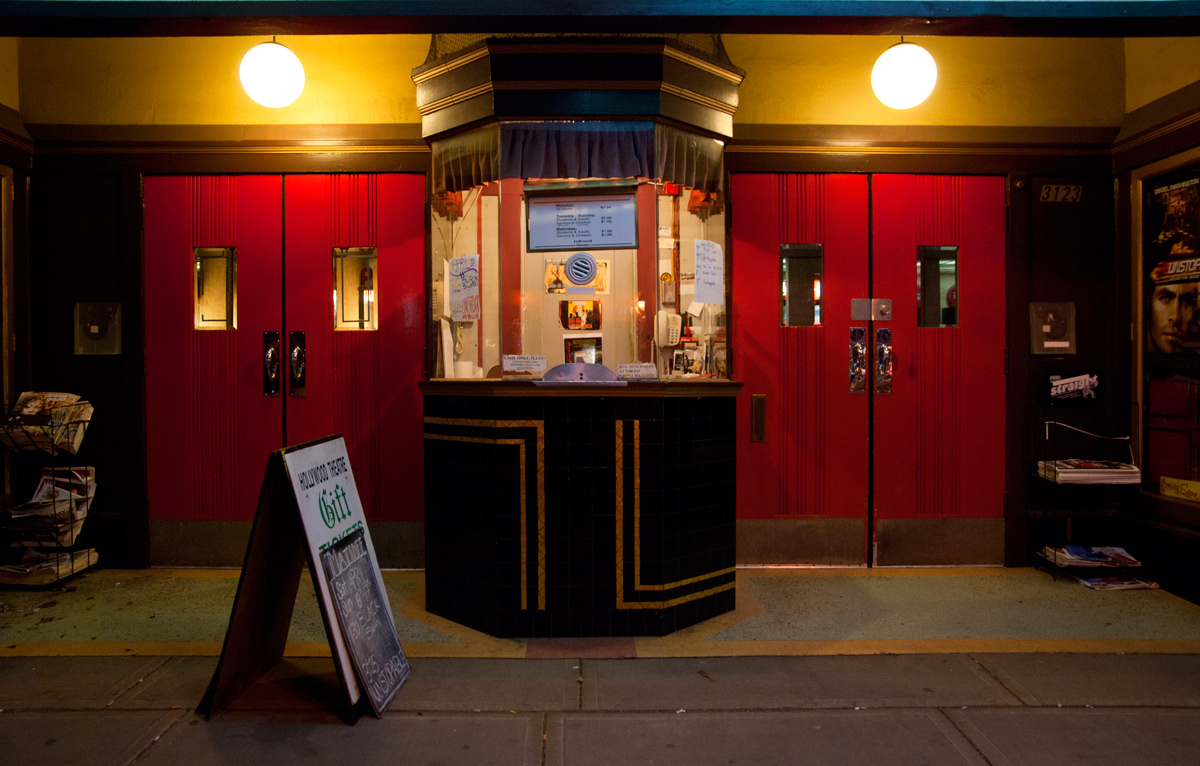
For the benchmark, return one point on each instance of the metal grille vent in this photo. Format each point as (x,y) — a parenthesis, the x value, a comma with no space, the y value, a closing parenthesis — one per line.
(581,268)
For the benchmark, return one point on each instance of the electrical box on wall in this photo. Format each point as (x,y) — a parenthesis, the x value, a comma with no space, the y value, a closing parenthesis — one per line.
(97,328)
(1052,328)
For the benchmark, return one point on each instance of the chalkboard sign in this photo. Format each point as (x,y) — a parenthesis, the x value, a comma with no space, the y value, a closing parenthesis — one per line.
(362,609)
(309,506)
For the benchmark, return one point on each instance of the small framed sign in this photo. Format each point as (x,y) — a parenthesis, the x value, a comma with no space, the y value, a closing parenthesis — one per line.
(579,315)
(1052,328)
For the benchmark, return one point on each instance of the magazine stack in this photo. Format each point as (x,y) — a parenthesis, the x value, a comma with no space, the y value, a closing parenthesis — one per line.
(1076,471)
(46,420)
(41,534)
(1096,557)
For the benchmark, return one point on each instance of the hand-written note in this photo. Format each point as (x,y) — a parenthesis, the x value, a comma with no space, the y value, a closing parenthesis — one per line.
(710,273)
(366,619)
(465,303)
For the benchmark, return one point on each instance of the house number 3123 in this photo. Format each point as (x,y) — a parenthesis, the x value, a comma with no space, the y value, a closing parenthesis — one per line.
(1061,193)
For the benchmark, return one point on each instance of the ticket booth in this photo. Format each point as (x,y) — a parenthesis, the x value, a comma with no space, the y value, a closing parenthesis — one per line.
(579,419)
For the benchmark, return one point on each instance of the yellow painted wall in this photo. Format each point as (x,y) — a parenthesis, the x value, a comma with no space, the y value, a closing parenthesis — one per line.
(194,80)
(816,80)
(804,80)
(9,92)
(1157,66)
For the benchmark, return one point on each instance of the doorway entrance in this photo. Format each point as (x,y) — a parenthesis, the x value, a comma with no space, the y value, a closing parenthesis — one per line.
(278,310)
(870,333)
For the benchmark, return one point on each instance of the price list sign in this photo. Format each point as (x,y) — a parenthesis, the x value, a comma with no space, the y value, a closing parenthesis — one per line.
(567,223)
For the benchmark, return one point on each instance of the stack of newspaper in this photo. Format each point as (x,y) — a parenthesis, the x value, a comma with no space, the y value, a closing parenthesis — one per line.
(41,533)
(1116,582)
(1086,556)
(46,420)
(1076,471)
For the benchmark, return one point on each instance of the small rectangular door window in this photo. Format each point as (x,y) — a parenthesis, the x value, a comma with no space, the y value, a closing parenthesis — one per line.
(937,286)
(354,283)
(214,294)
(800,269)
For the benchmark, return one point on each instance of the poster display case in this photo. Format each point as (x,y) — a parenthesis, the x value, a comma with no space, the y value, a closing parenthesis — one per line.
(1170,230)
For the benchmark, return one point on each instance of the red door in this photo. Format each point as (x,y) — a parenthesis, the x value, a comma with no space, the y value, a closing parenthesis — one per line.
(873,408)
(235,264)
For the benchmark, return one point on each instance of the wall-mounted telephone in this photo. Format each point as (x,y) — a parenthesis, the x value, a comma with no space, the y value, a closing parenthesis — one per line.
(670,326)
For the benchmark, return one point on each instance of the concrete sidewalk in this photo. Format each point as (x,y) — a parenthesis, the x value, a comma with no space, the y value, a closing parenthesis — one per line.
(943,709)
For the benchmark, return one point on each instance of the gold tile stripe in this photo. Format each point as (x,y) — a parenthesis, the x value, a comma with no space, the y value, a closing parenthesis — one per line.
(619,507)
(637,505)
(540,549)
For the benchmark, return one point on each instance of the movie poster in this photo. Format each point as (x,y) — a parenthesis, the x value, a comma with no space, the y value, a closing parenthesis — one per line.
(1171,255)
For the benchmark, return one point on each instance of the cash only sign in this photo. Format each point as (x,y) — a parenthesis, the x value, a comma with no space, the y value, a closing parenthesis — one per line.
(309,512)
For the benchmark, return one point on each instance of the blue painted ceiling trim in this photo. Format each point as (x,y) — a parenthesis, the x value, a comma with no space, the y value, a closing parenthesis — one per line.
(465,10)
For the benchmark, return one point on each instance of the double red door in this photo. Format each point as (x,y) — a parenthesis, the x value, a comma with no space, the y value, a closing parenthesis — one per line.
(869,330)
(250,346)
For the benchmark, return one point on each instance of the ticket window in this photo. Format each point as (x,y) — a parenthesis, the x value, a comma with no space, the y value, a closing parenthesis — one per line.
(591,281)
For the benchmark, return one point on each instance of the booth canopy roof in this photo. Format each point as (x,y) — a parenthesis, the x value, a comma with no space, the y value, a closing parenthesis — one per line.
(576,150)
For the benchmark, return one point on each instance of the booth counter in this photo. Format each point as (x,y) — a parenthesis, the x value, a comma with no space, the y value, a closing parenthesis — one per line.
(579,509)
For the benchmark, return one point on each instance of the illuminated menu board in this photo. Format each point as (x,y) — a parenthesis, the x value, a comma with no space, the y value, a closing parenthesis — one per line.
(569,223)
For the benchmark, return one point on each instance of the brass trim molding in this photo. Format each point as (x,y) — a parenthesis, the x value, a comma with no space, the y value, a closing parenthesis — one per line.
(915,150)
(1146,137)
(619,508)
(540,544)
(233,148)
(703,65)
(438,70)
(17,142)
(696,98)
(454,98)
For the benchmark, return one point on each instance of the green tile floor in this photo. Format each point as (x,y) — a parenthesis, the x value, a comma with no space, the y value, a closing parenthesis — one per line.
(780,611)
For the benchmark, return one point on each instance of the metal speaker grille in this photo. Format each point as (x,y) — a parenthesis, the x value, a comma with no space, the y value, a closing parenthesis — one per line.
(581,268)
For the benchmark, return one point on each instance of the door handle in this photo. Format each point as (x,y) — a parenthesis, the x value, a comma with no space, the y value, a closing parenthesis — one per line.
(758,418)
(296,363)
(858,360)
(271,354)
(883,360)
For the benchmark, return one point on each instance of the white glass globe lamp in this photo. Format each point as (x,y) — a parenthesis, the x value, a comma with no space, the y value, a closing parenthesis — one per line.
(904,76)
(272,75)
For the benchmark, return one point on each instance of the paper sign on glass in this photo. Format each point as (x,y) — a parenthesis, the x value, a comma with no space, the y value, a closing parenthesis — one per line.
(464,289)
(710,273)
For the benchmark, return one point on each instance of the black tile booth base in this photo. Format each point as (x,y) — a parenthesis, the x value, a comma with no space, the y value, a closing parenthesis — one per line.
(579,512)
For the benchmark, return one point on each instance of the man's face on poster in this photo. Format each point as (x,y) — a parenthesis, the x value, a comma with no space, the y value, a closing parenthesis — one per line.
(1173,316)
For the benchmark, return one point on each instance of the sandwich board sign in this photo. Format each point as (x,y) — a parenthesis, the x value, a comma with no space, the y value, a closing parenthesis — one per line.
(309,512)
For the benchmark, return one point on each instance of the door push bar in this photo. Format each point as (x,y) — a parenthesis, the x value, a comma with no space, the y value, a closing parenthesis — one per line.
(273,361)
(871,310)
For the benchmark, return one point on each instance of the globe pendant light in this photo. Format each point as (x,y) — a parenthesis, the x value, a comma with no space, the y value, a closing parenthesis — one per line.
(272,75)
(904,75)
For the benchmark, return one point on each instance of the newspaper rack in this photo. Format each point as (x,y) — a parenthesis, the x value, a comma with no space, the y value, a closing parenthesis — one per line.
(1088,476)
(38,538)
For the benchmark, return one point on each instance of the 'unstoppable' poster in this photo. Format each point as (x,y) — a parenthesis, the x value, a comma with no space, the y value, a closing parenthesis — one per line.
(1171,254)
